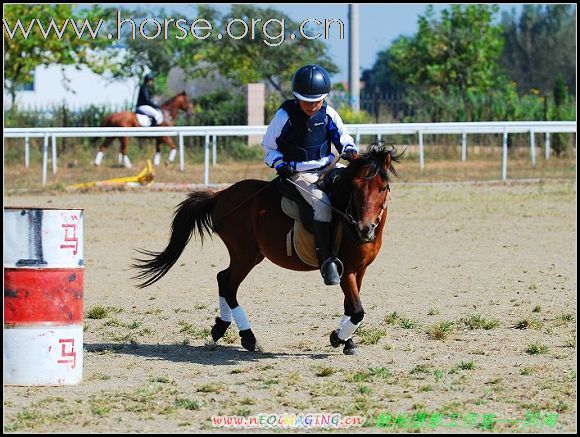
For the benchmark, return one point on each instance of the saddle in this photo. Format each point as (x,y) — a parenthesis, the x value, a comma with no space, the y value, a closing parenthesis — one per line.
(144,119)
(300,239)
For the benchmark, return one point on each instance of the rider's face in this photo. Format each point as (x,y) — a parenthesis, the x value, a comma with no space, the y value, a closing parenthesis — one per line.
(310,108)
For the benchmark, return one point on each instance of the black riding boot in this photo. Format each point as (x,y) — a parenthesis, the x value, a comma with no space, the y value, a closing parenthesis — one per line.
(327,264)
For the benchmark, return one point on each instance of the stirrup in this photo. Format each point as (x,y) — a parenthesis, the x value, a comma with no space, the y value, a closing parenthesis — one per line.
(339,265)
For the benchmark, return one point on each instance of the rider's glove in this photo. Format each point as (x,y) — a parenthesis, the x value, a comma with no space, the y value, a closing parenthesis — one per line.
(284,169)
(349,153)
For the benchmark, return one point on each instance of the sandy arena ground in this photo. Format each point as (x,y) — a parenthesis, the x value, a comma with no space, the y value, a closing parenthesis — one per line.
(451,253)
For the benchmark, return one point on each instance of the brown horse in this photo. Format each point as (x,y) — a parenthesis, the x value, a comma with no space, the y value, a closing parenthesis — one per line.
(129,119)
(258,229)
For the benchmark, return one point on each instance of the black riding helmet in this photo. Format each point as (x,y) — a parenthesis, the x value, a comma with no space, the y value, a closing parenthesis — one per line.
(148,77)
(311,83)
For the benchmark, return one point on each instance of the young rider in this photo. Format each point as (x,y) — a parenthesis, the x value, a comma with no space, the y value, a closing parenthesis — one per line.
(297,144)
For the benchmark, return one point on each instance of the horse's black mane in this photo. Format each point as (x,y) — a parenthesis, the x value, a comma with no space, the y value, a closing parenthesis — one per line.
(374,161)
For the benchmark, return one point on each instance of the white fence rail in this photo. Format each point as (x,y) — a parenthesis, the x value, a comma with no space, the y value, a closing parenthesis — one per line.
(356,130)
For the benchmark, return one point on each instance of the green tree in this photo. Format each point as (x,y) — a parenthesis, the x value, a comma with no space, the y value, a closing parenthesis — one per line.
(248,60)
(540,46)
(22,55)
(451,63)
(459,52)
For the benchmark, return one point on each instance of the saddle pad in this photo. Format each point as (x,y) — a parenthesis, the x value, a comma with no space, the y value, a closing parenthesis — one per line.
(305,244)
(290,208)
(143,120)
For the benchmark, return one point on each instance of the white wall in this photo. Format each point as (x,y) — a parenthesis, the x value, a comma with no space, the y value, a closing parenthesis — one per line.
(90,88)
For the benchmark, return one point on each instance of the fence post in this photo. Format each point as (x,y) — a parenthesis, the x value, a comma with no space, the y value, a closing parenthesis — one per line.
(26,151)
(181,153)
(357,136)
(53,154)
(547,145)
(206,160)
(214,150)
(532,148)
(421,152)
(44,159)
(504,156)
(464,146)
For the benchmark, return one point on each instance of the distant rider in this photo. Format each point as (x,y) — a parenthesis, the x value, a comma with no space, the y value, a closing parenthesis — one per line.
(145,103)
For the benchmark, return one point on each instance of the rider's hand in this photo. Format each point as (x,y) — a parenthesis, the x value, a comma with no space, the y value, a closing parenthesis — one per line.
(284,169)
(349,154)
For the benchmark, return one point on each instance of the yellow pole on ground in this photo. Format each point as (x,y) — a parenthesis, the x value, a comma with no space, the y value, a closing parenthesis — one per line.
(145,177)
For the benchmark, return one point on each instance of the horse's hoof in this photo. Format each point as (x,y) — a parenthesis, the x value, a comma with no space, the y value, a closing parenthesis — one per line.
(248,340)
(349,347)
(219,329)
(334,340)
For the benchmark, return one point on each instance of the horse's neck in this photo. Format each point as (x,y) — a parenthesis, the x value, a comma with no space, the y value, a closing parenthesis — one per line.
(170,108)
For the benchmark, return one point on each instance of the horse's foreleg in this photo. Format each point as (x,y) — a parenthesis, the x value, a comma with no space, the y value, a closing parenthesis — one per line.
(353,314)
(123,152)
(102,148)
(172,151)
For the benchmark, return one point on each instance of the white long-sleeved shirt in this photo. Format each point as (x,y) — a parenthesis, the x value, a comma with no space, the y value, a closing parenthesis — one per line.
(338,135)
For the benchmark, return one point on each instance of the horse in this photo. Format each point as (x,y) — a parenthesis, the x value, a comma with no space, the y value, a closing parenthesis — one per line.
(359,199)
(180,101)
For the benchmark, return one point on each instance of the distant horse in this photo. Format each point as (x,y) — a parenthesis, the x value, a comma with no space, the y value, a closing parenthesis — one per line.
(258,229)
(129,119)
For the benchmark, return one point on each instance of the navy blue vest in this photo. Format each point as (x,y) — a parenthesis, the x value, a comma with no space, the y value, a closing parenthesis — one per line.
(303,138)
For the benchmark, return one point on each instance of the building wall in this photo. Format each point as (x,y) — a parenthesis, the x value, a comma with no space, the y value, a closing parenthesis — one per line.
(84,88)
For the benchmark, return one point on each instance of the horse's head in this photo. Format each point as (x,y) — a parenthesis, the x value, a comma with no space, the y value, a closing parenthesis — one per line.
(362,191)
(181,102)
(185,103)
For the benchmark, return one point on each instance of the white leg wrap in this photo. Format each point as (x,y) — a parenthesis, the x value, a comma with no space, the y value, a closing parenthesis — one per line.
(126,162)
(157,159)
(241,318)
(344,319)
(120,158)
(225,310)
(172,154)
(99,158)
(347,330)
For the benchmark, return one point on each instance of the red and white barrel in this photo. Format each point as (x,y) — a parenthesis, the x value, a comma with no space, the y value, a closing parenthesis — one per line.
(43,296)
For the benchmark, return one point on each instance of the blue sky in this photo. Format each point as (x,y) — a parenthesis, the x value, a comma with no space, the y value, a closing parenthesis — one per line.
(379,24)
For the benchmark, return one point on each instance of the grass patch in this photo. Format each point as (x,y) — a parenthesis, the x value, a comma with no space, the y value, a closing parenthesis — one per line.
(370,335)
(421,368)
(392,319)
(187,404)
(470,365)
(324,371)
(407,323)
(537,309)
(99,312)
(189,329)
(432,312)
(537,349)
(211,388)
(477,321)
(369,375)
(440,330)
(530,322)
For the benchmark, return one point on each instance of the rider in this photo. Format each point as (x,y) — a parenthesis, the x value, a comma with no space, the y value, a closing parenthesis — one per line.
(145,103)
(297,144)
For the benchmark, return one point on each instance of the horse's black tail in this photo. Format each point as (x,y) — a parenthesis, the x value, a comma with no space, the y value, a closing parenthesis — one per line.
(194,213)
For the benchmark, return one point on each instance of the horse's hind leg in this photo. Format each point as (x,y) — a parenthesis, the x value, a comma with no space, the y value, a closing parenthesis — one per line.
(228,281)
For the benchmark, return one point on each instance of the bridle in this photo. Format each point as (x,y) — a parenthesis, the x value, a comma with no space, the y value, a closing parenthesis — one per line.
(347,214)
(348,210)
